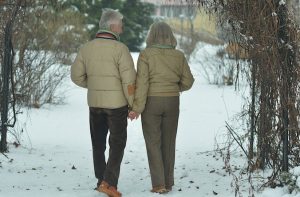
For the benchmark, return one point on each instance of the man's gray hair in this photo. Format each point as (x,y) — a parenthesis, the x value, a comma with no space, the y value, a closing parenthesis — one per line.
(109,17)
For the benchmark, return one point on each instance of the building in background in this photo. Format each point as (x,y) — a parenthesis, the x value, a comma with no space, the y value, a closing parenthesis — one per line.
(170,8)
(186,19)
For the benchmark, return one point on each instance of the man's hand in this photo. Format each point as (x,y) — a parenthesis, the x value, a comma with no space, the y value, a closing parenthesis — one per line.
(133,115)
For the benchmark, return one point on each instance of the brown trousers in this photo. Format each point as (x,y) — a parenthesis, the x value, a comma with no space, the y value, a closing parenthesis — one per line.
(114,120)
(159,122)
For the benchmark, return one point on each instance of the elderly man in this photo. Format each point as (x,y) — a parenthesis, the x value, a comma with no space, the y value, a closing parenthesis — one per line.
(105,67)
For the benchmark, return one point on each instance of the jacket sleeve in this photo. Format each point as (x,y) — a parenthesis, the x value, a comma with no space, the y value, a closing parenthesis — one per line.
(142,84)
(187,79)
(78,71)
(127,74)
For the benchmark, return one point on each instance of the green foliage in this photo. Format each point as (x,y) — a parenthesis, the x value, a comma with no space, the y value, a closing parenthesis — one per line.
(137,17)
(137,21)
(91,11)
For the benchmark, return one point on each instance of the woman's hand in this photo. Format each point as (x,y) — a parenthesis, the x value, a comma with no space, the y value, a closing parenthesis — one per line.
(133,115)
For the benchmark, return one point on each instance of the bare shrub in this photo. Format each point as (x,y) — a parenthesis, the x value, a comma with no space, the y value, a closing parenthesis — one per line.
(215,67)
(37,39)
(269,33)
(38,79)
(45,42)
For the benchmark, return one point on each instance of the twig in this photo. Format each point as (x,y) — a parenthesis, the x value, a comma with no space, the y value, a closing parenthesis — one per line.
(5,155)
(236,138)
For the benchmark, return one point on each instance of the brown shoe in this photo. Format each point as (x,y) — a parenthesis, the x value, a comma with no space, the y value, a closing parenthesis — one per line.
(159,189)
(169,188)
(111,191)
(98,183)
(102,186)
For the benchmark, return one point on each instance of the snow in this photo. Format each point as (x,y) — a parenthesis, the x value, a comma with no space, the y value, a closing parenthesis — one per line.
(282,2)
(278,192)
(55,157)
(295,171)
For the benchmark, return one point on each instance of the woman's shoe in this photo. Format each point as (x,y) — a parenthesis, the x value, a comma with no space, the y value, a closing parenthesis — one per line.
(159,189)
(169,188)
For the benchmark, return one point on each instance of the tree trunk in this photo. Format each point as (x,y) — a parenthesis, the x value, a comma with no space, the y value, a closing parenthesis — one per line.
(252,110)
(6,75)
(286,55)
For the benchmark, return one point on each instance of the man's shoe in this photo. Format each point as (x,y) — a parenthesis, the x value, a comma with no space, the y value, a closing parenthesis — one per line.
(111,191)
(102,186)
(98,183)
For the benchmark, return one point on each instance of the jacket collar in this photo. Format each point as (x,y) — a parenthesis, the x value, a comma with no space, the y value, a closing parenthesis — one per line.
(162,46)
(107,35)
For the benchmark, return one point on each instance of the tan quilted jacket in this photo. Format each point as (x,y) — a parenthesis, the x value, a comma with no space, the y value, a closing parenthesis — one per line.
(105,67)
(161,72)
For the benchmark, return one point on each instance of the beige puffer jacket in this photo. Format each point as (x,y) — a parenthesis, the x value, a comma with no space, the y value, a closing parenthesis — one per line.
(161,72)
(105,67)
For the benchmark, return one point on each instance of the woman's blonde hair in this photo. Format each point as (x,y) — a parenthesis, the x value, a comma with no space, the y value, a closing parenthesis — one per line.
(161,33)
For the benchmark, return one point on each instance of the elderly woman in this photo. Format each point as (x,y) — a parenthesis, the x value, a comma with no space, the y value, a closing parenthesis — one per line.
(162,73)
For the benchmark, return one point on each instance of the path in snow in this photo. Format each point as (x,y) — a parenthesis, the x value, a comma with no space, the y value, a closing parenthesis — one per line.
(57,160)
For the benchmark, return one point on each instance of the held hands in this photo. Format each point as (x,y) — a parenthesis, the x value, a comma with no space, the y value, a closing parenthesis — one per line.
(133,115)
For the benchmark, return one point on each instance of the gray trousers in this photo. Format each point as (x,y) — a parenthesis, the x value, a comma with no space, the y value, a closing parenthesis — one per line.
(159,122)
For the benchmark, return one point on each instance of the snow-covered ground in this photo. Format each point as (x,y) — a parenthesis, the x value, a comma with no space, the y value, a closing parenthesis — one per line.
(55,157)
